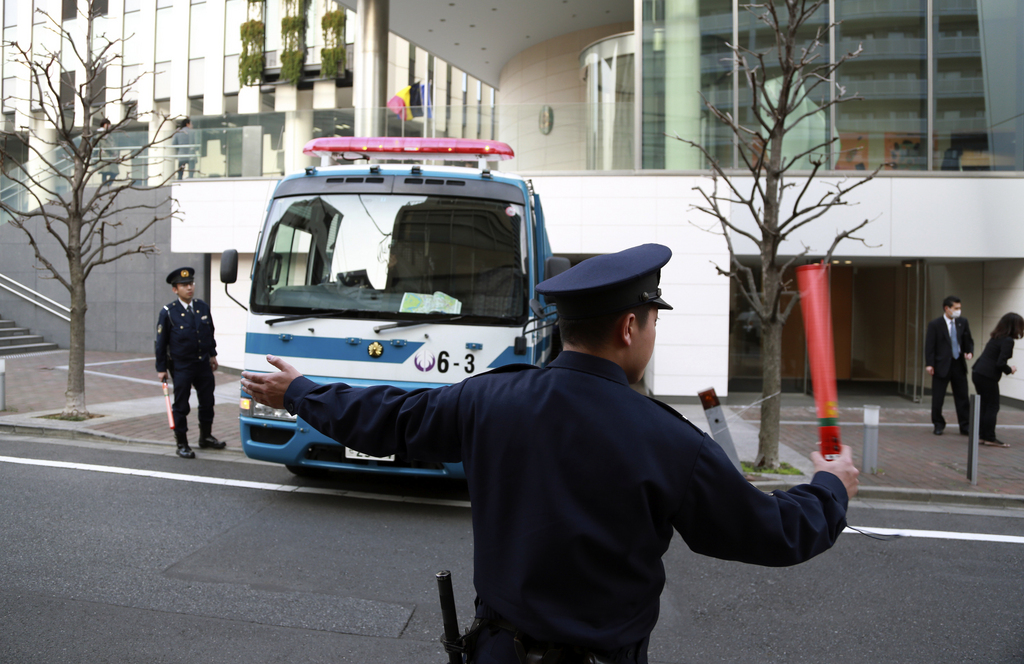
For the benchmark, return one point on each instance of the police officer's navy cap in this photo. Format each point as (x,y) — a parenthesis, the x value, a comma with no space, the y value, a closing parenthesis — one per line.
(609,283)
(182,275)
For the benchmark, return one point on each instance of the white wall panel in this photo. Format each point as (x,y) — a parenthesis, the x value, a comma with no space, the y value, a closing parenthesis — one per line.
(220,214)
(958,218)
(870,201)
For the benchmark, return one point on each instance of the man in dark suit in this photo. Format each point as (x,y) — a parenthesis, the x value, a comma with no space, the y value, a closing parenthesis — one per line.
(947,347)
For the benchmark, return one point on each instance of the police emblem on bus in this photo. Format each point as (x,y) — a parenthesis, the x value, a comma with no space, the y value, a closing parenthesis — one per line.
(375,349)
(424,360)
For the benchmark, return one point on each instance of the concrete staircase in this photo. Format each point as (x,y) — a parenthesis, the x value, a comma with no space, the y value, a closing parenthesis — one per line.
(17,340)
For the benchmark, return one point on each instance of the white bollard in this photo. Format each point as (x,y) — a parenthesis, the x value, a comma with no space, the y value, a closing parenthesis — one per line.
(718,425)
(870,461)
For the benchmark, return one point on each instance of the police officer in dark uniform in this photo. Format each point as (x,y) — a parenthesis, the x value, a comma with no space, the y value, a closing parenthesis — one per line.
(577,481)
(185,346)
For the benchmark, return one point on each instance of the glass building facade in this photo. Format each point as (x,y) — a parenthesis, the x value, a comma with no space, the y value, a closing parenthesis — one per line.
(939,83)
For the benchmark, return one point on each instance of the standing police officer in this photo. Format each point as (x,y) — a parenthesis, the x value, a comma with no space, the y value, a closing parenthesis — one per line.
(577,481)
(185,346)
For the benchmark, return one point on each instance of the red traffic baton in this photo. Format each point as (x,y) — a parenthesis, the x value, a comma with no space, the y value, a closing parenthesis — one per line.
(817,311)
(167,400)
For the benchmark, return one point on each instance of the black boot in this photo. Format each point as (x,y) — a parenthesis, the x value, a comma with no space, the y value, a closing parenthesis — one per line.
(206,439)
(184,451)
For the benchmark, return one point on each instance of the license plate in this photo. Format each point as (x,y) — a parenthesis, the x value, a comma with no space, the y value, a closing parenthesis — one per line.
(353,454)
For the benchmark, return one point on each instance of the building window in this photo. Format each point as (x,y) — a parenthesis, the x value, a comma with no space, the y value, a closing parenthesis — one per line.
(162,80)
(196,79)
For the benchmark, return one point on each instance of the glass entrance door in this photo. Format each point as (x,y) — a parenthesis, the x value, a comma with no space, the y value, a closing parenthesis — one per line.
(911,379)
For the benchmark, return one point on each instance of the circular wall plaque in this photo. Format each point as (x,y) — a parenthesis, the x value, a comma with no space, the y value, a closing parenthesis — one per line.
(547,119)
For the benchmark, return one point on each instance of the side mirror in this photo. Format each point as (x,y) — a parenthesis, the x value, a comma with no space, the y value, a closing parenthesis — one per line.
(229,266)
(555,265)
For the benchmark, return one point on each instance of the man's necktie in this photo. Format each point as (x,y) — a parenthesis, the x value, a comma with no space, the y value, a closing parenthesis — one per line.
(952,337)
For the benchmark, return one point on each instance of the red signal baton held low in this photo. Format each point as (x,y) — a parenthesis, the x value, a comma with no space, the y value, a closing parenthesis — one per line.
(817,310)
(167,399)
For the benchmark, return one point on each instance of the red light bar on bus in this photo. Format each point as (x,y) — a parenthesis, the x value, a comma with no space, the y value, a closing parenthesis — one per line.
(393,147)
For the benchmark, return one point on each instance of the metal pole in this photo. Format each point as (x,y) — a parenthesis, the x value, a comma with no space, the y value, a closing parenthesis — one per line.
(3,384)
(972,439)
(870,461)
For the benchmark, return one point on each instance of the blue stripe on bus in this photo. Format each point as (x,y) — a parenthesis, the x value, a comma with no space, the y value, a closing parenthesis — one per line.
(508,356)
(319,348)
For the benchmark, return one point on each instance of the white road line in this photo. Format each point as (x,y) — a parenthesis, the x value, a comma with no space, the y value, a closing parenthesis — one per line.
(261,486)
(284,488)
(940,534)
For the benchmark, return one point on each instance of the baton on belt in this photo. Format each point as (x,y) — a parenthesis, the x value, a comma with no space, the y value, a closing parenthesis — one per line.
(167,400)
(449,617)
(817,311)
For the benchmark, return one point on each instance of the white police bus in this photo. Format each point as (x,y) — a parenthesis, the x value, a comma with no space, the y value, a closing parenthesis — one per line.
(407,275)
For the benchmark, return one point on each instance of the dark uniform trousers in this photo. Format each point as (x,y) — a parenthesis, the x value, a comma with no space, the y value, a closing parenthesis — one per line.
(184,344)
(187,375)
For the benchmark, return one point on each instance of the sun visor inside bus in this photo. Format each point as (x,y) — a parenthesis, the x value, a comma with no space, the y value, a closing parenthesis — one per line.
(402,184)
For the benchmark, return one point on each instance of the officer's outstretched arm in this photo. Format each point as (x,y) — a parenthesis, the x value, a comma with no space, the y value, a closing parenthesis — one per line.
(268,389)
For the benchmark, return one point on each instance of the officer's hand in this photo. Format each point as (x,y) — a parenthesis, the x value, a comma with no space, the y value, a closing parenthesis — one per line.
(268,389)
(930,370)
(162,375)
(842,468)
(213,363)
(969,355)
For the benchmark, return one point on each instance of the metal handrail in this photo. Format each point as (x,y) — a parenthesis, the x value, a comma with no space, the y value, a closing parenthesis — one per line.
(38,295)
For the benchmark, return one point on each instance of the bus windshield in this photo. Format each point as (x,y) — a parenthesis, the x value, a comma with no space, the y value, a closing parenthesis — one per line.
(393,256)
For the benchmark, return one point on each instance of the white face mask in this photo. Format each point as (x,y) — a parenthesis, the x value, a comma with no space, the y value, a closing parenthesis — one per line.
(956,314)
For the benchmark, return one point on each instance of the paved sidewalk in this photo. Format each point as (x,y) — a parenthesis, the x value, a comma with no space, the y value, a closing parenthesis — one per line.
(910,457)
(127,403)
(122,394)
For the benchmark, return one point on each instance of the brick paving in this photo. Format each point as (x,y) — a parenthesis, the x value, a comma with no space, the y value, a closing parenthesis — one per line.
(36,384)
(123,388)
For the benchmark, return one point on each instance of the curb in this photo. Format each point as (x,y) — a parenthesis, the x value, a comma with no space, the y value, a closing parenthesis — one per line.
(942,497)
(901,494)
(94,436)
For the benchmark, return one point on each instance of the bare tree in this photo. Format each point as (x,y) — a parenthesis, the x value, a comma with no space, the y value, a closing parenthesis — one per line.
(60,194)
(789,85)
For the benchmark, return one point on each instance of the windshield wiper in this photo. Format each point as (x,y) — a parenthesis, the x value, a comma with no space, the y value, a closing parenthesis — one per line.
(313,313)
(409,323)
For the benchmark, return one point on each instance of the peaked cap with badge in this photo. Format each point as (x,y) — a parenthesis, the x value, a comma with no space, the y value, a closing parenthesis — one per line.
(181,275)
(609,283)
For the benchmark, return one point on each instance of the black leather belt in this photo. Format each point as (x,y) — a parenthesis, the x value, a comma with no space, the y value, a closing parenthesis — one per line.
(530,650)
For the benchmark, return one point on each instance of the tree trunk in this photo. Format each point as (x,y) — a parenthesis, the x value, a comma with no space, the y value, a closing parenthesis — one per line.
(74,397)
(771,376)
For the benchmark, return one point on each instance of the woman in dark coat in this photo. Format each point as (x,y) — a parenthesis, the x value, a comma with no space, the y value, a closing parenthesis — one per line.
(989,368)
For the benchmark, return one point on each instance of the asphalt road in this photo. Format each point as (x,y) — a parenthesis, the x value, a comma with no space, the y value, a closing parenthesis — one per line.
(226,560)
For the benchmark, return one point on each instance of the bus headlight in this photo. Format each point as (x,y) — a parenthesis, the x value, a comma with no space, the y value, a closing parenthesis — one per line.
(259,410)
